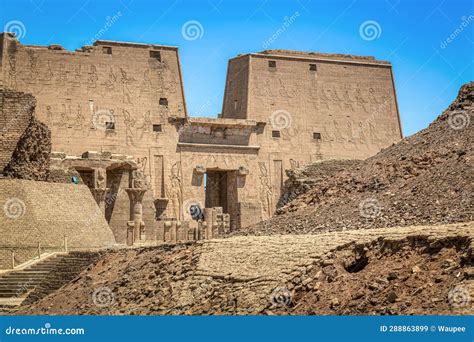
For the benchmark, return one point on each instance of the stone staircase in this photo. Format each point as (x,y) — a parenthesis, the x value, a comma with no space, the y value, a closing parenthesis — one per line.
(38,280)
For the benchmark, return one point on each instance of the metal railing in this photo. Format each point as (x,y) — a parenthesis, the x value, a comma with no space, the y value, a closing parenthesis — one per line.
(34,252)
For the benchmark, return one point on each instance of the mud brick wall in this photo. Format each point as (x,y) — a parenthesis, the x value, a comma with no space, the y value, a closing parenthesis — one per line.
(47,212)
(16,111)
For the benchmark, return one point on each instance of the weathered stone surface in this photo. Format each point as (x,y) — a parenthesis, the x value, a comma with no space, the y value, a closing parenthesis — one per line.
(16,111)
(40,212)
(30,160)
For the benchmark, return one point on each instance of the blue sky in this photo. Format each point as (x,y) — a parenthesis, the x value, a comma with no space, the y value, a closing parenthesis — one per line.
(412,34)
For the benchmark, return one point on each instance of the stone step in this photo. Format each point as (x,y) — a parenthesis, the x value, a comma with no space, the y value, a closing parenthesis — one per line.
(48,268)
(14,292)
(10,293)
(16,286)
(20,284)
(21,281)
(45,267)
(25,275)
(22,277)
(27,272)
(51,263)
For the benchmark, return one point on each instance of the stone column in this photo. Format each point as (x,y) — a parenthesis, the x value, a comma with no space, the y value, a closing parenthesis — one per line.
(136,214)
(167,231)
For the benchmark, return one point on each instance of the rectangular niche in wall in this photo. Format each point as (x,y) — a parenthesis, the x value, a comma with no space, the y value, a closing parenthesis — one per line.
(155,55)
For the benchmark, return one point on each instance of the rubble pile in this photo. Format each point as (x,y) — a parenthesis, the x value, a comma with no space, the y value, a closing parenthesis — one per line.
(426,178)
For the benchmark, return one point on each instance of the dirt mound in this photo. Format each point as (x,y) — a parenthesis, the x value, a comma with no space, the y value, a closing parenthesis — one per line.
(424,179)
(128,281)
(302,179)
(31,157)
(401,278)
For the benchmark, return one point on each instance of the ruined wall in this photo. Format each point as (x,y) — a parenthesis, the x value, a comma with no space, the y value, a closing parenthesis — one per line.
(40,212)
(16,111)
(31,158)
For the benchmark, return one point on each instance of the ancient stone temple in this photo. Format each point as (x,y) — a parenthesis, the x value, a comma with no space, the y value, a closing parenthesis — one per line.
(117,114)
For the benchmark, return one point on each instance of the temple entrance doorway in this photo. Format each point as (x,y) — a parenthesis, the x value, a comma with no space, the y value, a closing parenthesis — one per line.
(217,190)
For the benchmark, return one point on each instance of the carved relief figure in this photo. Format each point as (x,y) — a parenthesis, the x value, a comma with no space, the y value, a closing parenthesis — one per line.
(347,100)
(129,123)
(126,81)
(146,84)
(76,75)
(100,179)
(111,80)
(373,131)
(33,61)
(361,102)
(93,77)
(146,124)
(174,190)
(80,119)
(350,134)
(141,163)
(337,132)
(49,115)
(336,100)
(266,193)
(294,164)
(170,84)
(139,180)
(372,98)
(63,117)
(48,77)
(362,136)
(283,91)
(323,99)
(61,78)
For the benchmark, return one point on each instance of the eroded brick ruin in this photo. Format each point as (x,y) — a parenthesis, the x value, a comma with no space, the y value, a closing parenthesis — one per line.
(118,119)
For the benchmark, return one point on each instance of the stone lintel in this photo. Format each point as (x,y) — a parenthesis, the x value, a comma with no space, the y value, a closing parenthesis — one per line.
(238,147)
(230,123)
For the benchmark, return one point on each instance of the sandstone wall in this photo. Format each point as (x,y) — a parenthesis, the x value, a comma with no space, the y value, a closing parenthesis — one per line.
(78,92)
(314,106)
(40,212)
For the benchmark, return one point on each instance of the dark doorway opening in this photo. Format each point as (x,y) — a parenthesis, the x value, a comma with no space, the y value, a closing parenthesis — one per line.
(217,190)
